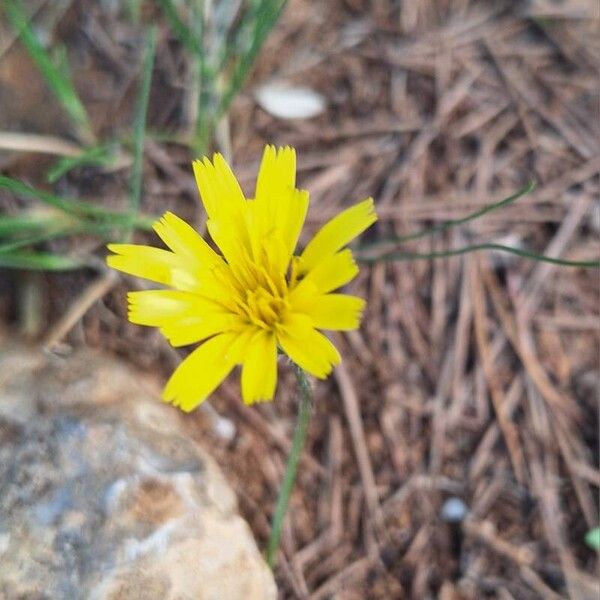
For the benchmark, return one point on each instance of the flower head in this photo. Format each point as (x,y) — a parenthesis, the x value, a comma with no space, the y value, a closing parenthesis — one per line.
(257,295)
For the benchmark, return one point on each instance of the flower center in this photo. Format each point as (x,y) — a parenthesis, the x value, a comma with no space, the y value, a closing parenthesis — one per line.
(262,295)
(264,308)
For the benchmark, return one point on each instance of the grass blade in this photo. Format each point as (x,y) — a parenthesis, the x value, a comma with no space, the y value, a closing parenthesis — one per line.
(183,33)
(139,127)
(58,229)
(43,236)
(192,39)
(59,83)
(206,84)
(77,208)
(264,19)
(40,261)
(220,77)
(29,224)
(102,155)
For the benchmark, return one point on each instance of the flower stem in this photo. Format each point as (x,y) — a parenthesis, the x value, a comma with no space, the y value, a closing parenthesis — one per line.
(289,477)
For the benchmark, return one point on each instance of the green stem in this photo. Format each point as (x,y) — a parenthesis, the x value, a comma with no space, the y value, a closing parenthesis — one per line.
(289,477)
(440,227)
(585,264)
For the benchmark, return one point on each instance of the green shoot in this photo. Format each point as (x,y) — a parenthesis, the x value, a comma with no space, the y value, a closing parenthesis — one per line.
(43,236)
(221,73)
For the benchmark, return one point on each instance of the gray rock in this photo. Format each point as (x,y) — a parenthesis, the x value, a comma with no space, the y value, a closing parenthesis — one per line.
(103,496)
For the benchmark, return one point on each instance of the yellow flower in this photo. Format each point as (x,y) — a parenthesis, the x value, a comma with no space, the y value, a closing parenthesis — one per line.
(257,296)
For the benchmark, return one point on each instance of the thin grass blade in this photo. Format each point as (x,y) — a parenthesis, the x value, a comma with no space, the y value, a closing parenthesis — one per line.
(31,240)
(403,256)
(183,33)
(102,155)
(40,261)
(77,208)
(29,224)
(439,228)
(59,83)
(139,129)
(263,20)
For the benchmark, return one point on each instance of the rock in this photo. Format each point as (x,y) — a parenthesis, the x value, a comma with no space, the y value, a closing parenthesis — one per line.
(104,497)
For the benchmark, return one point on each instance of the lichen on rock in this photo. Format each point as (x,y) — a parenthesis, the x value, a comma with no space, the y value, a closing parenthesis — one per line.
(104,496)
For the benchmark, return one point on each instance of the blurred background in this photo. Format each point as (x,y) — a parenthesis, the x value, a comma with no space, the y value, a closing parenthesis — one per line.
(454,454)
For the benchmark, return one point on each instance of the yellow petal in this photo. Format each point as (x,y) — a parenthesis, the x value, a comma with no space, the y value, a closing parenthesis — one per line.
(336,312)
(259,370)
(277,173)
(308,348)
(225,205)
(200,373)
(272,259)
(279,208)
(219,189)
(156,307)
(292,226)
(190,330)
(183,318)
(154,264)
(183,239)
(331,273)
(240,346)
(212,274)
(338,232)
